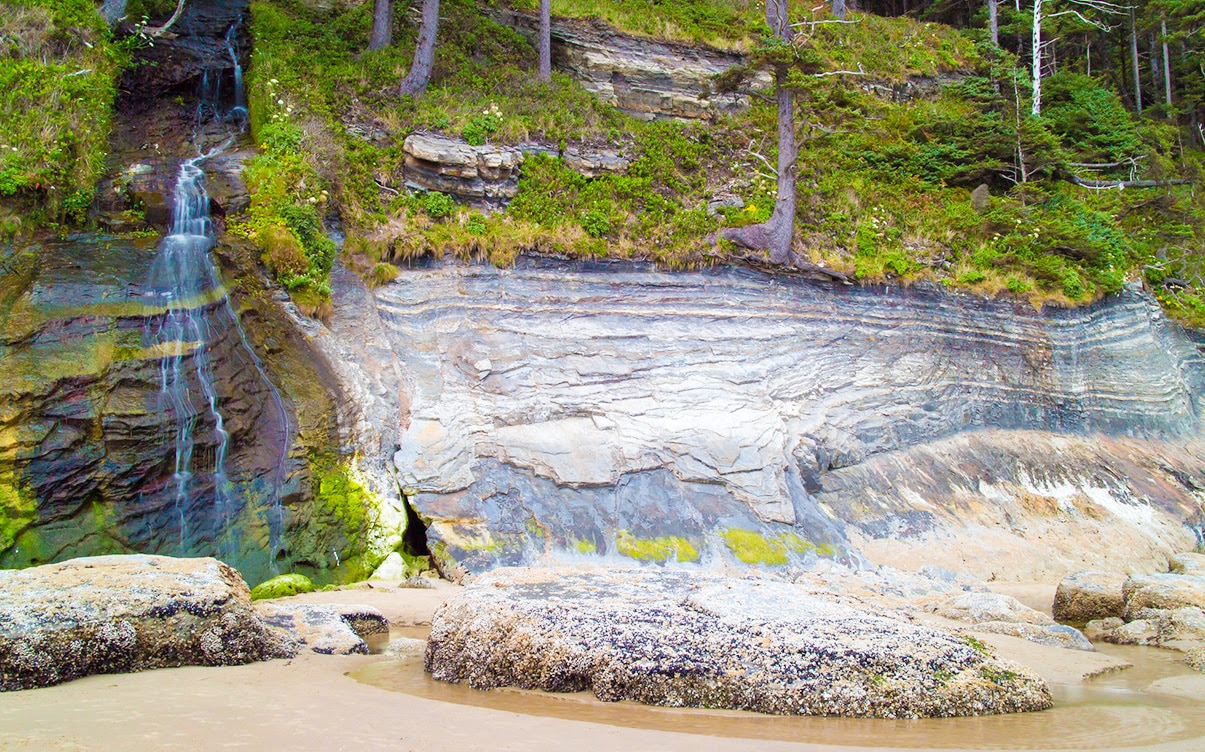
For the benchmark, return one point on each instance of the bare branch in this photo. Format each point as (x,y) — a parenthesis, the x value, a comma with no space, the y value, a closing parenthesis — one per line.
(153,33)
(858,72)
(1104,185)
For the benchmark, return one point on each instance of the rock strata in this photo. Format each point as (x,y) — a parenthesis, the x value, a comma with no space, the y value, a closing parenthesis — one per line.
(111,614)
(687,640)
(1084,596)
(539,410)
(645,78)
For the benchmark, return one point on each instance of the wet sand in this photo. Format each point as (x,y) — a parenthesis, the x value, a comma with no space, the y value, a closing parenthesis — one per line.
(310,703)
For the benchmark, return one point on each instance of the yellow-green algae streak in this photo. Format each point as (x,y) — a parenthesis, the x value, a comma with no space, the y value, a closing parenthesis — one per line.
(658,549)
(751,547)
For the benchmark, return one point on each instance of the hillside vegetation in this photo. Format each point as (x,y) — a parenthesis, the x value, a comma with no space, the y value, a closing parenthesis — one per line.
(57,82)
(885,182)
(885,186)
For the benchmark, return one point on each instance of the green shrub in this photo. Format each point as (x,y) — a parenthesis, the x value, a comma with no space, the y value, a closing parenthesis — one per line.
(437,205)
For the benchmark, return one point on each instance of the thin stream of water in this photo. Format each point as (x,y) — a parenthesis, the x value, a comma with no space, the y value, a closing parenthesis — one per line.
(184,280)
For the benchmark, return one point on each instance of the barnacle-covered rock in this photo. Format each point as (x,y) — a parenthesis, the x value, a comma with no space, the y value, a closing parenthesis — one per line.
(684,639)
(112,614)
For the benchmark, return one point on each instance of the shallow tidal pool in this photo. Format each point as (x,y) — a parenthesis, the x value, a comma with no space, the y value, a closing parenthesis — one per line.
(1159,701)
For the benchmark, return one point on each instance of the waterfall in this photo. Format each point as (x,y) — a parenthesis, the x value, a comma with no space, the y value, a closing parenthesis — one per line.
(239,109)
(192,312)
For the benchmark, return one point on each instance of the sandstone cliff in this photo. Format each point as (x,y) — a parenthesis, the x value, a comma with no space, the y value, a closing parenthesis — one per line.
(548,410)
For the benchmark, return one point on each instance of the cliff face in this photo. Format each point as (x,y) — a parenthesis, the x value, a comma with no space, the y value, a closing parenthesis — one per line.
(87,438)
(601,411)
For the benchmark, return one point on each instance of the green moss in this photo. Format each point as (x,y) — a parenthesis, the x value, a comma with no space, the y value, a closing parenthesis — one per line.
(659,549)
(752,547)
(18,509)
(282,587)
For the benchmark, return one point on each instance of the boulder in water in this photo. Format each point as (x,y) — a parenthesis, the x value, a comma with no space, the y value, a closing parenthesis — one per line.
(1163,592)
(111,614)
(683,639)
(1084,596)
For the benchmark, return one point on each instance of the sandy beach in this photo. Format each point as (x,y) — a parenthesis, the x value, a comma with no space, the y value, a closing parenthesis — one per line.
(310,703)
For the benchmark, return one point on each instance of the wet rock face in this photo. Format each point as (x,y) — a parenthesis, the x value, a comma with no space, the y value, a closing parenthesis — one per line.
(176,62)
(113,614)
(682,640)
(87,440)
(549,409)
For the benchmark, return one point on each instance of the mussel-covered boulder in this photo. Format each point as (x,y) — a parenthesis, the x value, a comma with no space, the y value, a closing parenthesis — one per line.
(685,639)
(1083,596)
(111,614)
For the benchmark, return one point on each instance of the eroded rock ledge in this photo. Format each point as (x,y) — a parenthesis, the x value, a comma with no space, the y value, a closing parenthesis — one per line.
(684,640)
(733,417)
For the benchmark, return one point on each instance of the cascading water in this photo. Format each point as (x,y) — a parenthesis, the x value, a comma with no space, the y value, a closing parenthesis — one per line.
(196,312)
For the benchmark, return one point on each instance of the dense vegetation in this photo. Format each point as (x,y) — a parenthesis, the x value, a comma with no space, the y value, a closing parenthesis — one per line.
(57,81)
(885,181)
(885,185)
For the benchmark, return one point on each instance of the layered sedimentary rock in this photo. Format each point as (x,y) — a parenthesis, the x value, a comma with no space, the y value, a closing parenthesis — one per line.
(732,417)
(687,640)
(88,451)
(487,176)
(111,614)
(644,77)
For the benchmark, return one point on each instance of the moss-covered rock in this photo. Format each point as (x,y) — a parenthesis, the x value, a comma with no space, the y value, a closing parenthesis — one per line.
(282,587)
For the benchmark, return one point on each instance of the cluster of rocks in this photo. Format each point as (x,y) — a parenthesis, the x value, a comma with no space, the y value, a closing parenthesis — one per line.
(685,639)
(487,175)
(113,614)
(932,592)
(1163,610)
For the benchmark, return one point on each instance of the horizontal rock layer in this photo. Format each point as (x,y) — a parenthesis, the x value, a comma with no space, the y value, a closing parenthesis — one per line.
(696,641)
(643,77)
(733,416)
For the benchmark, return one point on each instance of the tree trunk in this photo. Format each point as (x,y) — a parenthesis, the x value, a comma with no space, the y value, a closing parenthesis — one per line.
(1135,64)
(1037,57)
(1167,67)
(416,80)
(545,40)
(1150,38)
(993,22)
(782,220)
(778,232)
(382,24)
(839,9)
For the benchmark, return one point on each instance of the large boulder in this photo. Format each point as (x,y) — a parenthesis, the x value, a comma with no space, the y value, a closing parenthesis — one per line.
(110,614)
(1186,563)
(690,640)
(977,607)
(1162,592)
(1086,595)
